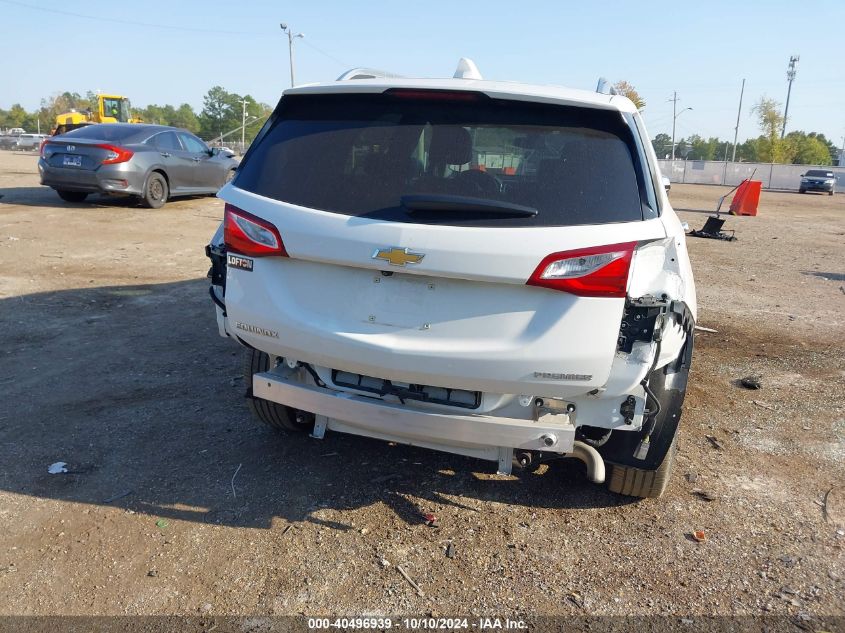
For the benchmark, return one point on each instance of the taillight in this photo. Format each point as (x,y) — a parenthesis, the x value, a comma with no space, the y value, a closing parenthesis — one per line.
(600,271)
(42,147)
(116,154)
(247,234)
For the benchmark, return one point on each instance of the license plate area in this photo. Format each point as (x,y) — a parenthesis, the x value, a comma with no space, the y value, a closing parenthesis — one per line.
(72,160)
(399,300)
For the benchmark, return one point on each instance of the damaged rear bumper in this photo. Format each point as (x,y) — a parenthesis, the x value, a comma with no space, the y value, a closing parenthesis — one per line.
(481,436)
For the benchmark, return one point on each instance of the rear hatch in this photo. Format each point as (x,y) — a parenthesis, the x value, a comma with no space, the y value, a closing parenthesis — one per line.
(439,238)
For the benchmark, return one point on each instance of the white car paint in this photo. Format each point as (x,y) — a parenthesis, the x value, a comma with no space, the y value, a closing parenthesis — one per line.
(463,318)
(497,89)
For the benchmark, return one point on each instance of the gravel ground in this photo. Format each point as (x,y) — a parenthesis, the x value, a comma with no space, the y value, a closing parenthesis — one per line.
(176,502)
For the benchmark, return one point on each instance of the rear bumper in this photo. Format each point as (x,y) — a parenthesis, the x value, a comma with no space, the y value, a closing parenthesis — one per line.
(487,437)
(106,179)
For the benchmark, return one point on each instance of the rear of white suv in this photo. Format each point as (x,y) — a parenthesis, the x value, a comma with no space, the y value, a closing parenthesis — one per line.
(485,268)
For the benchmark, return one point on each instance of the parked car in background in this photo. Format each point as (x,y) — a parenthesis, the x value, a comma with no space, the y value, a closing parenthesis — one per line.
(386,280)
(29,142)
(151,162)
(823,180)
(9,138)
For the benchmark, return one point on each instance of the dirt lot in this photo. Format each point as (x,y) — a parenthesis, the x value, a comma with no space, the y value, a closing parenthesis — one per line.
(112,363)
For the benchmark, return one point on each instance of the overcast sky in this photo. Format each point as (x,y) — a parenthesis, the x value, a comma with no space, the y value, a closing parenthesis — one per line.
(173,51)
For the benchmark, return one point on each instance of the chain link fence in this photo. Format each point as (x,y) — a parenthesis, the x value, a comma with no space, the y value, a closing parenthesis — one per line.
(773,176)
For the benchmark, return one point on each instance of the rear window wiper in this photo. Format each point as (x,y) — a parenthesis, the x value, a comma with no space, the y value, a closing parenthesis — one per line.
(445,203)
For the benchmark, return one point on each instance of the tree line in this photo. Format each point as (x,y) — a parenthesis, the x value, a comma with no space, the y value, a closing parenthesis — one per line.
(797,147)
(221,113)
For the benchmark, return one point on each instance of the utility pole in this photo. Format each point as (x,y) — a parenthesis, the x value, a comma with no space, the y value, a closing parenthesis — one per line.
(674,101)
(675,115)
(790,76)
(291,37)
(243,128)
(738,113)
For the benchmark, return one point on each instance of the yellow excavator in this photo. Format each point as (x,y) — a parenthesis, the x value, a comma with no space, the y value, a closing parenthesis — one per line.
(110,109)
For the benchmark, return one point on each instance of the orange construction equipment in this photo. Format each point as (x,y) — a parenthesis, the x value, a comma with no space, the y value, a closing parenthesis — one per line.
(746,198)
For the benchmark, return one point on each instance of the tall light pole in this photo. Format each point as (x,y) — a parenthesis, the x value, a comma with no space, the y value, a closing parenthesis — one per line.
(675,115)
(291,37)
(243,127)
(790,76)
(738,113)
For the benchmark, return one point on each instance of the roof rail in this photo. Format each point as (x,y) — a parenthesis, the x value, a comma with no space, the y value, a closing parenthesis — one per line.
(605,87)
(466,70)
(367,73)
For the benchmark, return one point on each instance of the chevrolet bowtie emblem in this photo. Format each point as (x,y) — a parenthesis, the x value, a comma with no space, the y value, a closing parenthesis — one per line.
(397,256)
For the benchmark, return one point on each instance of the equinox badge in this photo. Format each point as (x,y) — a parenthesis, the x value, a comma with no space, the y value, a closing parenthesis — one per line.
(396,256)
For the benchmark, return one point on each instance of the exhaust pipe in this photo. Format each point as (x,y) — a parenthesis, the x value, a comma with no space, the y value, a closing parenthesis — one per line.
(592,459)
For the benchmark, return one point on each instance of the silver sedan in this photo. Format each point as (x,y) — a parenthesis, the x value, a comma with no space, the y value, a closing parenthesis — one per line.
(152,162)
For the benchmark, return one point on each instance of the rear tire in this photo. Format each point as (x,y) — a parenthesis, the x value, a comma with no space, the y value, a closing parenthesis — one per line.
(830,193)
(156,191)
(273,414)
(635,482)
(72,196)
(801,190)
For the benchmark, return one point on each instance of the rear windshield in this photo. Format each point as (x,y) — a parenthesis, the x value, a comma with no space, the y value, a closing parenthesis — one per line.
(359,155)
(104,132)
(820,173)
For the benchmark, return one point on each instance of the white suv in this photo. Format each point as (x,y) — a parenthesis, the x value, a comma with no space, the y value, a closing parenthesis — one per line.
(487,268)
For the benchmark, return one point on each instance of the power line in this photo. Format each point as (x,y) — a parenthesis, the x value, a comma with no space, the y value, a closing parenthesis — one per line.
(131,22)
(657,119)
(169,27)
(325,54)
